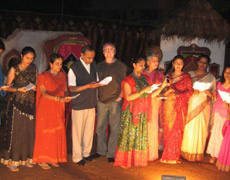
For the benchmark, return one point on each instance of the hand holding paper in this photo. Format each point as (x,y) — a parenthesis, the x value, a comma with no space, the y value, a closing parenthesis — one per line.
(154,87)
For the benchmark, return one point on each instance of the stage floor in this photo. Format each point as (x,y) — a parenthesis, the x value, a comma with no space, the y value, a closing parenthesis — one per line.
(100,169)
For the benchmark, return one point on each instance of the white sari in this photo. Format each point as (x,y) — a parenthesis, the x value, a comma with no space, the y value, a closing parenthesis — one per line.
(198,120)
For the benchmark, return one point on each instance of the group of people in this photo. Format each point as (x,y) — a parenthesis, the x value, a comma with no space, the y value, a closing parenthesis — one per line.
(131,106)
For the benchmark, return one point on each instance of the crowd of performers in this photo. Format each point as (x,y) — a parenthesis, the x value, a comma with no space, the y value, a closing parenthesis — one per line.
(139,117)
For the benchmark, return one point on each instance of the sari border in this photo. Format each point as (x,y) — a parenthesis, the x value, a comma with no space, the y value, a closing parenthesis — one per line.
(222,167)
(192,157)
(196,111)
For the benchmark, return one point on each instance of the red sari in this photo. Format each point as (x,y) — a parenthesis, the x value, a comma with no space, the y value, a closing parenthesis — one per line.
(175,111)
(50,136)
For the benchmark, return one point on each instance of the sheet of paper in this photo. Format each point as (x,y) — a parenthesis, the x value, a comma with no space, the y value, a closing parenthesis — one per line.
(201,86)
(75,96)
(29,86)
(106,81)
(162,97)
(154,87)
(224,96)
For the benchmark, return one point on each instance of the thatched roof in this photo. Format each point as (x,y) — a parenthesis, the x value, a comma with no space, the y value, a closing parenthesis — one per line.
(197,20)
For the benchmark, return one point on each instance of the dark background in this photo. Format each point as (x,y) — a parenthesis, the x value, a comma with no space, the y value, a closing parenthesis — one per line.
(147,12)
(132,25)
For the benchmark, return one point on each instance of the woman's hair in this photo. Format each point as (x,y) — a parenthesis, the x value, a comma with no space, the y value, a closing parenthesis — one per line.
(2,45)
(13,62)
(222,79)
(54,56)
(204,56)
(149,55)
(170,64)
(27,50)
(137,59)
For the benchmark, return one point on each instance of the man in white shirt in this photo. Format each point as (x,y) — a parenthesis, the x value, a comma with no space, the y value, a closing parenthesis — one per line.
(82,78)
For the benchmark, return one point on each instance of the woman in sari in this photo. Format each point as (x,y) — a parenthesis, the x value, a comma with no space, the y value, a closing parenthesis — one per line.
(156,77)
(136,111)
(50,137)
(19,139)
(223,160)
(199,109)
(175,110)
(220,113)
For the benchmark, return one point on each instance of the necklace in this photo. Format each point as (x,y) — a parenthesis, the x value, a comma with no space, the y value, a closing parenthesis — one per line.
(175,76)
(55,74)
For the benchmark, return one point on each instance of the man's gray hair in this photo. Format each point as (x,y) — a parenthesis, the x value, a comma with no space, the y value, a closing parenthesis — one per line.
(109,44)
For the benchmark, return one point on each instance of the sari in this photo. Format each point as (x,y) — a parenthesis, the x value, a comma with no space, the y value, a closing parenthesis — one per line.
(223,160)
(197,121)
(20,121)
(156,77)
(175,111)
(50,137)
(219,113)
(133,133)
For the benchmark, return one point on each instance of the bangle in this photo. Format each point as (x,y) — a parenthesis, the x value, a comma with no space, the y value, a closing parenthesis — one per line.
(56,98)
(16,90)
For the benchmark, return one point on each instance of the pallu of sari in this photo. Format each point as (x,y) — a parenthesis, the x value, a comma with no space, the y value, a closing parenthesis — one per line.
(197,121)
(175,111)
(133,135)
(154,135)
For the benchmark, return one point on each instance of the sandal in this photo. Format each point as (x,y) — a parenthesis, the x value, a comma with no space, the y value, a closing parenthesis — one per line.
(29,165)
(44,166)
(212,160)
(55,165)
(124,167)
(14,168)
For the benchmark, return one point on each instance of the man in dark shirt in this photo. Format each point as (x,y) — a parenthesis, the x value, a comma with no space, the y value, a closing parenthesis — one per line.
(109,104)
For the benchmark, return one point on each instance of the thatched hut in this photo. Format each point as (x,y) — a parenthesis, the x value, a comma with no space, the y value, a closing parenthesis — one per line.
(198,24)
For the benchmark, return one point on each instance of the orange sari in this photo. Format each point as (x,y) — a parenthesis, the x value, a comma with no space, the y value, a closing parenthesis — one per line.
(50,136)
